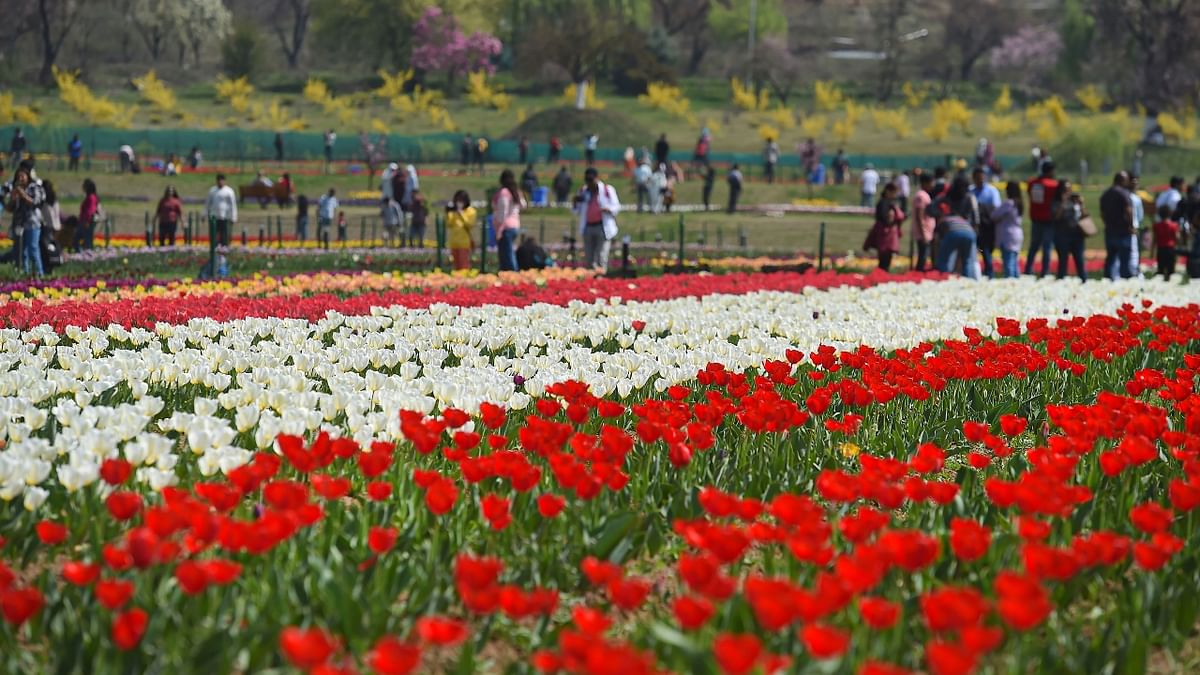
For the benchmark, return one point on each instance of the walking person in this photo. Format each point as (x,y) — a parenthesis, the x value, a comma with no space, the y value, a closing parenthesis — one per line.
(167,215)
(597,207)
(74,152)
(419,214)
(958,218)
(770,159)
(1009,233)
(278,147)
(884,236)
(460,229)
(1043,193)
(506,219)
(923,222)
(1117,213)
(703,146)
(465,148)
(222,207)
(555,151)
(393,219)
(90,214)
(327,207)
(662,150)
(1068,234)
(1166,238)
(735,187)
(988,198)
(868,183)
(302,219)
(25,203)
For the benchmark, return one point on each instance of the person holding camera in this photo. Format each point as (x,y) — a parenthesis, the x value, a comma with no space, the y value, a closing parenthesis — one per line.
(597,206)
(25,202)
(460,229)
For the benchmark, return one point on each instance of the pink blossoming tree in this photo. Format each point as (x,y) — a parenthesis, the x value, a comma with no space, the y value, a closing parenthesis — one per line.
(440,46)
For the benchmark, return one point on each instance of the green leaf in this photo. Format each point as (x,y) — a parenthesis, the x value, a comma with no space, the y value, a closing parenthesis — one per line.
(673,637)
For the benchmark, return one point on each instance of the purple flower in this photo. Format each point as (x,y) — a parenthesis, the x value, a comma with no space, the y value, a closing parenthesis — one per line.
(518,380)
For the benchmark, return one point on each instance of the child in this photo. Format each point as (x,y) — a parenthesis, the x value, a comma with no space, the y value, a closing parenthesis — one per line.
(341,226)
(416,232)
(1166,238)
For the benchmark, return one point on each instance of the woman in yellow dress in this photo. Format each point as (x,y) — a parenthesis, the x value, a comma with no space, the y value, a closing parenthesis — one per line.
(460,229)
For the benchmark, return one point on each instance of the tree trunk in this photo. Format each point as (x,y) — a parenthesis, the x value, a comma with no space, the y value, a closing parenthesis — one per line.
(698,51)
(581,86)
(49,53)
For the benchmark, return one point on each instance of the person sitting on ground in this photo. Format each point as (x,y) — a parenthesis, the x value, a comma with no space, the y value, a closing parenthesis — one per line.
(531,256)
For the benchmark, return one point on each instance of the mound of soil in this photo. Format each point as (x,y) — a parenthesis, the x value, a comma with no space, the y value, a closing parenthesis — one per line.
(569,124)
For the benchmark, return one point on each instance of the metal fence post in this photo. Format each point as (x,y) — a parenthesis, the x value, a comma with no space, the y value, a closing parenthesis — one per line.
(483,225)
(107,231)
(682,239)
(212,247)
(362,231)
(821,248)
(149,236)
(439,234)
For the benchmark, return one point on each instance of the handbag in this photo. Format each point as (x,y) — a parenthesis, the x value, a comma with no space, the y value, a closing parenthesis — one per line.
(1087,226)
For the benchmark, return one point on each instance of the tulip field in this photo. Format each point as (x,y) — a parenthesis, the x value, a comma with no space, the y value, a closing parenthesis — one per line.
(555,473)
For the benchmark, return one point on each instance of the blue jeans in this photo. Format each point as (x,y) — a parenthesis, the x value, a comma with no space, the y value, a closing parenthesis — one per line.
(958,245)
(868,199)
(1041,237)
(989,268)
(1068,243)
(31,244)
(506,250)
(1120,257)
(1009,260)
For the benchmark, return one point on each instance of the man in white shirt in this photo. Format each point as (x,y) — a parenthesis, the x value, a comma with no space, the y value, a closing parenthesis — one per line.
(222,207)
(327,209)
(597,206)
(869,182)
(1171,196)
(641,179)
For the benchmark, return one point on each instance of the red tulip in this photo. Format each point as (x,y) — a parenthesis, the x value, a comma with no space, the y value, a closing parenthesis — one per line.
(440,496)
(115,471)
(79,573)
(441,631)
(736,654)
(113,593)
(824,642)
(379,491)
(306,647)
(878,613)
(969,539)
(390,656)
(692,612)
(549,506)
(123,505)
(128,628)
(381,539)
(51,533)
(19,604)
(191,577)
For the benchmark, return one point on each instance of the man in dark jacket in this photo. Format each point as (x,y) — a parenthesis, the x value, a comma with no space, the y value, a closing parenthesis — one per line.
(1117,213)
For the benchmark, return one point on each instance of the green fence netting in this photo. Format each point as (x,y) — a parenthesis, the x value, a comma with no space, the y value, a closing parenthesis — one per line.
(242,146)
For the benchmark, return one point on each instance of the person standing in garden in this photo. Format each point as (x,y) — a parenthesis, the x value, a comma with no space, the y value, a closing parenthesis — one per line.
(481,149)
(810,158)
(460,229)
(958,216)
(735,187)
(90,214)
(868,183)
(419,213)
(641,182)
(506,219)
(330,139)
(590,143)
(74,152)
(1009,234)
(167,215)
(25,203)
(597,206)
(923,222)
(770,159)
(327,208)
(465,148)
(1068,234)
(1117,214)
(302,218)
(841,167)
(703,146)
(988,198)
(885,234)
(222,207)
(710,177)
(529,181)
(278,147)
(1043,192)
(562,185)
(662,150)
(523,150)
(555,151)
(1166,238)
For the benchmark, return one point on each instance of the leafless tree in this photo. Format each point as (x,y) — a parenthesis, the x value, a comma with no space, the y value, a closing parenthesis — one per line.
(55,18)
(1151,49)
(290,23)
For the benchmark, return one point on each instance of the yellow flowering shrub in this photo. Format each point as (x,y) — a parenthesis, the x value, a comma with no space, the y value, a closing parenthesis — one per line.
(393,85)
(317,92)
(667,98)
(827,96)
(843,129)
(1182,130)
(813,125)
(782,117)
(895,121)
(914,97)
(486,95)
(743,96)
(10,112)
(1002,126)
(155,91)
(590,99)
(97,109)
(1004,101)
(1090,97)
(767,132)
(236,92)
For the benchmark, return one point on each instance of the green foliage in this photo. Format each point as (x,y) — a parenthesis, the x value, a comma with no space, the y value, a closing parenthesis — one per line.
(731,24)
(1076,29)
(241,55)
(640,63)
(1095,139)
(375,33)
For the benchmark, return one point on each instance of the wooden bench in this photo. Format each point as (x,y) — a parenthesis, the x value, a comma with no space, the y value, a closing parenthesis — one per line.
(276,192)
